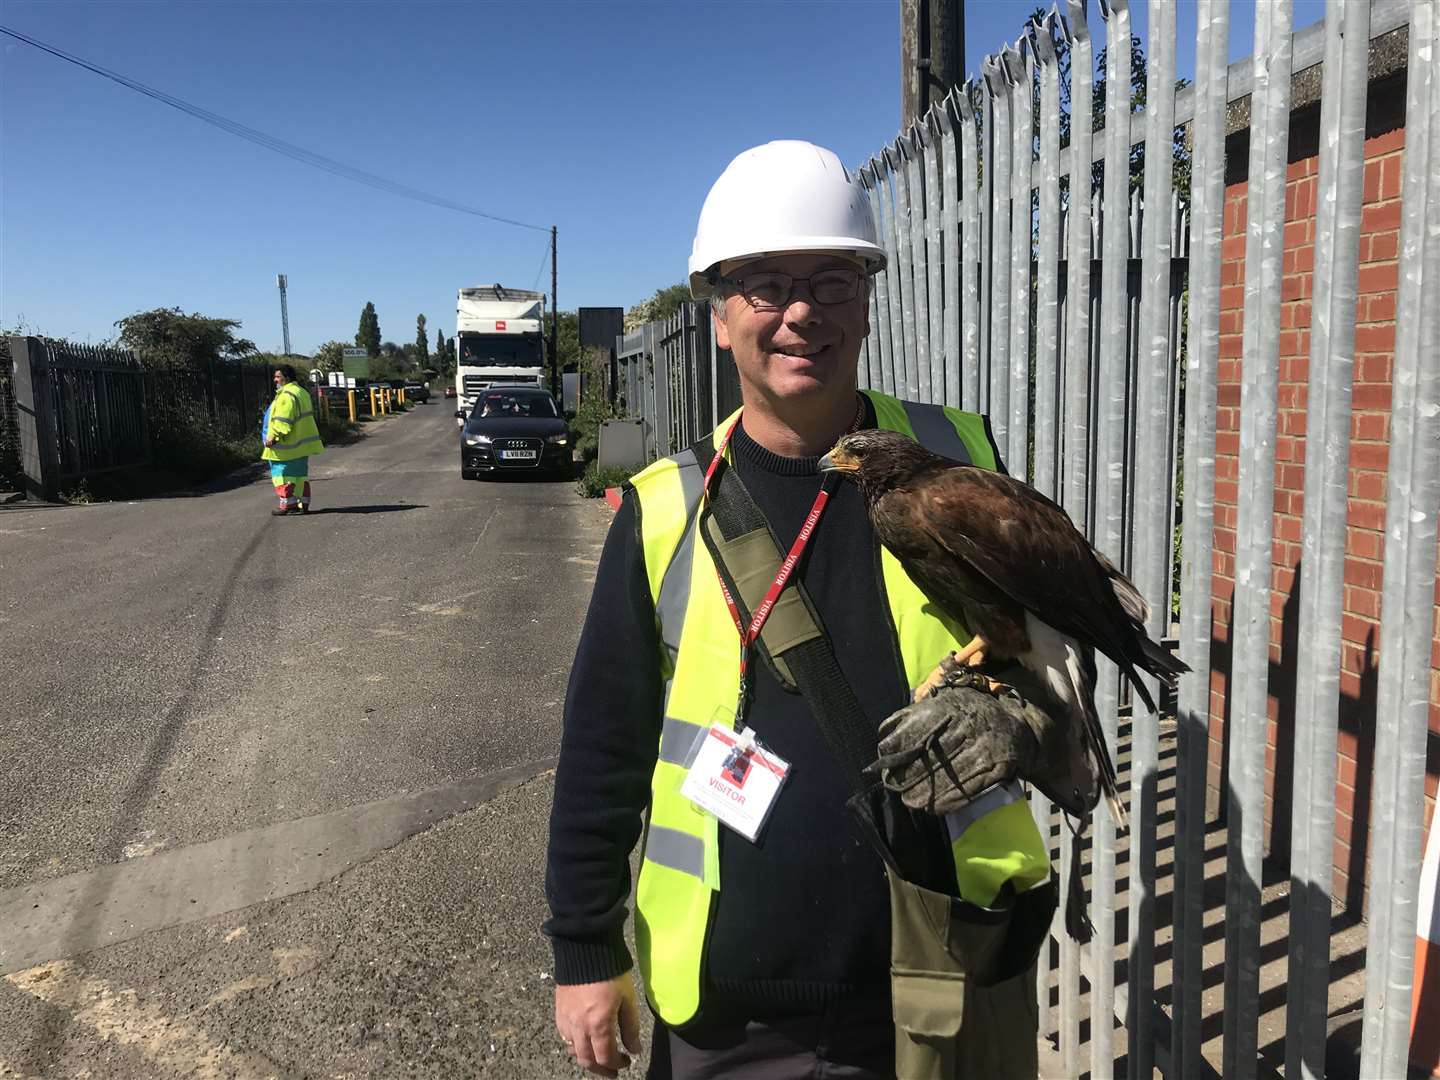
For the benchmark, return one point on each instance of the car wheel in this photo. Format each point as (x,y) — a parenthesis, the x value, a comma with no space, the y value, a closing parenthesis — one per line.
(469,474)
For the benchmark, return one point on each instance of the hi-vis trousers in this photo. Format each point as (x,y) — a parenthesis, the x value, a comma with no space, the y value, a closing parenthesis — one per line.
(292,483)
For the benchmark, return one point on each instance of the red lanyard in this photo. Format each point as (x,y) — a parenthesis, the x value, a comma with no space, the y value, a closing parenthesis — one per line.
(749,634)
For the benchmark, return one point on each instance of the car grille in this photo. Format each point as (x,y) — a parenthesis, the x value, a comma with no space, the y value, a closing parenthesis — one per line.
(499,446)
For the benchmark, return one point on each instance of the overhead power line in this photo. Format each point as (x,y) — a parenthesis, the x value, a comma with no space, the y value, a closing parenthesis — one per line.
(544,258)
(270,142)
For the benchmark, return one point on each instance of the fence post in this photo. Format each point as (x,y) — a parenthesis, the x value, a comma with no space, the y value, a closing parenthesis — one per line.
(1322,560)
(1407,607)
(1193,712)
(39,454)
(1016,64)
(1000,145)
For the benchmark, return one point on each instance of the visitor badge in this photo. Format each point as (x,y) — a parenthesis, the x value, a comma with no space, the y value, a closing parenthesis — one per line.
(736,779)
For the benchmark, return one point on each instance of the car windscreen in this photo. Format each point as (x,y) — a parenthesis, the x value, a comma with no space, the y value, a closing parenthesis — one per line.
(502,405)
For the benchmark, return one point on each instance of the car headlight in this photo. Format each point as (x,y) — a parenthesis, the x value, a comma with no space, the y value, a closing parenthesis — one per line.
(558,440)
(477,440)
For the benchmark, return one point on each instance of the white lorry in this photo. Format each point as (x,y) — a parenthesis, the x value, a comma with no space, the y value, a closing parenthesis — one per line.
(499,339)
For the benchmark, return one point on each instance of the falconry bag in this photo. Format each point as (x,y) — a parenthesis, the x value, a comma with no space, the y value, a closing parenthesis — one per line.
(962,975)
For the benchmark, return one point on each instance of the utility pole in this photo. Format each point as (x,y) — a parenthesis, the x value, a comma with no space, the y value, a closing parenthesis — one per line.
(555,377)
(932,54)
(284,313)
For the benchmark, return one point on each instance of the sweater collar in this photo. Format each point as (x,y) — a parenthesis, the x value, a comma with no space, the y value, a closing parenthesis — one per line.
(752,453)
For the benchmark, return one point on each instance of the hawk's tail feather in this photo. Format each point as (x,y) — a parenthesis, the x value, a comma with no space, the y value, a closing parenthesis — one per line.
(1095,735)
(1161,662)
(1157,661)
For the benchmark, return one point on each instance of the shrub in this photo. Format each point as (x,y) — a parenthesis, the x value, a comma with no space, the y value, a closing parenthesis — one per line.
(586,426)
(594,480)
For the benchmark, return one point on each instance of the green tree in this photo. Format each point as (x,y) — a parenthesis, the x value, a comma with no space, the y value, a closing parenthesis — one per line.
(167,337)
(330,357)
(422,346)
(567,352)
(368,336)
(665,303)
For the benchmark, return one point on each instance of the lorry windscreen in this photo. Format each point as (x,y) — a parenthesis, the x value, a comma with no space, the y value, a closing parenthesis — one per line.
(483,350)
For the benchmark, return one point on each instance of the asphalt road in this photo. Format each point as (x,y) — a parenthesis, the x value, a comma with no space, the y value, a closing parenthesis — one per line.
(273,792)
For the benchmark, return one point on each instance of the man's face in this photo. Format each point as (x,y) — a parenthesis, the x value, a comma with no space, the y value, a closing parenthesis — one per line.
(279,379)
(803,349)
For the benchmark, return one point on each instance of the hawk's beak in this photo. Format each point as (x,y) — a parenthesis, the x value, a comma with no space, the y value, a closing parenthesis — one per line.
(838,460)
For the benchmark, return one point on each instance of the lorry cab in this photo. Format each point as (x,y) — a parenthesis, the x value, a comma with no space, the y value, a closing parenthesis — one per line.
(499,340)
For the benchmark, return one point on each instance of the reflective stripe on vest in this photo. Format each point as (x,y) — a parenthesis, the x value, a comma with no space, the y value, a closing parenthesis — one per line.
(680,741)
(679,870)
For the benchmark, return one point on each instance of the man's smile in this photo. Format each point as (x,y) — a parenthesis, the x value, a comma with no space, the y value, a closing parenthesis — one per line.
(800,350)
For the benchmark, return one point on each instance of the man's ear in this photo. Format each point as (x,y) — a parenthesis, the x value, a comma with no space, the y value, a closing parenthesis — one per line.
(722,332)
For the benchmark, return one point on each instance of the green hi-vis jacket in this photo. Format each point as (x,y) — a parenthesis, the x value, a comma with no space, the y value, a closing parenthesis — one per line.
(292,425)
(680,872)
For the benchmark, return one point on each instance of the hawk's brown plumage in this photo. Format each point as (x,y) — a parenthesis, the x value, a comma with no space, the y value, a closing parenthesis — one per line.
(1011,567)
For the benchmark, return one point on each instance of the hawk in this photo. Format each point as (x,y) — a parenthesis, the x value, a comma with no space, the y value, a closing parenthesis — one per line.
(1008,564)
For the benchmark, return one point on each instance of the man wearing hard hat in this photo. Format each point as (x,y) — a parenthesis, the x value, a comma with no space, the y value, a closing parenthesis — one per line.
(790,920)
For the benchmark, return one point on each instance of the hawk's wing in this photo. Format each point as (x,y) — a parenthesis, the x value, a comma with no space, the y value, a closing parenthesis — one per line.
(1027,548)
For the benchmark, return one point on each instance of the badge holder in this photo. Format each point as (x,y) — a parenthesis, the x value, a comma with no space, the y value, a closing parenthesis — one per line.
(732,774)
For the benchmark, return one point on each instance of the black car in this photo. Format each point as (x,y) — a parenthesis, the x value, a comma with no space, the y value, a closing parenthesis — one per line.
(514,429)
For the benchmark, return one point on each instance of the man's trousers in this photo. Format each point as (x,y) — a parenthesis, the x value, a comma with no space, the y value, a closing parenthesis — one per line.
(292,483)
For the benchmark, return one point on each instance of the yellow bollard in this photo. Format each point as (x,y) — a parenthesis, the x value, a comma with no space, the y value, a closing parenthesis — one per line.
(351,395)
(401,392)
(374,410)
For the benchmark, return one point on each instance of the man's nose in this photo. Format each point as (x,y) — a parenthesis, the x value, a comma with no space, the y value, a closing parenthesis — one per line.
(801,310)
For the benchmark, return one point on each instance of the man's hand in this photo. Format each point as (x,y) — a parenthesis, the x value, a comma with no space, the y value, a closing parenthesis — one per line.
(585,1016)
(269,441)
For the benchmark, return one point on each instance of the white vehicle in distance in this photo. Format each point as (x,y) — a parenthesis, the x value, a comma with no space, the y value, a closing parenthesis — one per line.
(499,340)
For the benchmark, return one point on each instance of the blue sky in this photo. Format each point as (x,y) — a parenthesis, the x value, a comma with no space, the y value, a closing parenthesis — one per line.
(609,119)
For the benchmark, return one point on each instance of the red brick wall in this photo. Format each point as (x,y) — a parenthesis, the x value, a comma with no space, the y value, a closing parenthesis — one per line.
(1369,433)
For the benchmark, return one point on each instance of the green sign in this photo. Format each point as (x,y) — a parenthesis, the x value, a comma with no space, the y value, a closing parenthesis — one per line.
(356,363)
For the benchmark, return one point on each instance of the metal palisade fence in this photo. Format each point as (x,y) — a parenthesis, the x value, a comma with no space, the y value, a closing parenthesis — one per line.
(73,412)
(1047,267)
(673,377)
(1005,257)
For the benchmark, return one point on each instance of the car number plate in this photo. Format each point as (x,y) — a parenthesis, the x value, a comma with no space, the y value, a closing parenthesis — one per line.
(517,455)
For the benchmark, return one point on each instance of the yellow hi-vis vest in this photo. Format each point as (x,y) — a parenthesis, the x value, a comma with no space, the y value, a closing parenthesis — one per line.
(994,841)
(292,424)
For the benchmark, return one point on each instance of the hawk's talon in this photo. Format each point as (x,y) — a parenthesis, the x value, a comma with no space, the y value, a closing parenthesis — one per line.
(935,679)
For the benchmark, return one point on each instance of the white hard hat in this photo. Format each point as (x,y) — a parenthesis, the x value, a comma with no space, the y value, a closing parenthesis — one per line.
(785,196)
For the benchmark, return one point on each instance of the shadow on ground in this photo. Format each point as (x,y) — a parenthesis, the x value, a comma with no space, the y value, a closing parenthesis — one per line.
(362,509)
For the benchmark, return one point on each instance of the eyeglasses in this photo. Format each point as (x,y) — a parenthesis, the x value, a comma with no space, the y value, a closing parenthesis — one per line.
(768,290)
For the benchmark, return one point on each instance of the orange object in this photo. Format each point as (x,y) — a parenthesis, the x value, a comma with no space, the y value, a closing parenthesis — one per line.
(1425,1000)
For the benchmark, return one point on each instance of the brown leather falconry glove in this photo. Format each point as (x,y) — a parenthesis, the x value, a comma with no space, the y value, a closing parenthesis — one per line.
(943,751)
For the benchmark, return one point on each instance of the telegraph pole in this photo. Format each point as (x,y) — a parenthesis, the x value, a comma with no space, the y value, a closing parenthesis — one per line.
(284,313)
(555,377)
(932,54)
